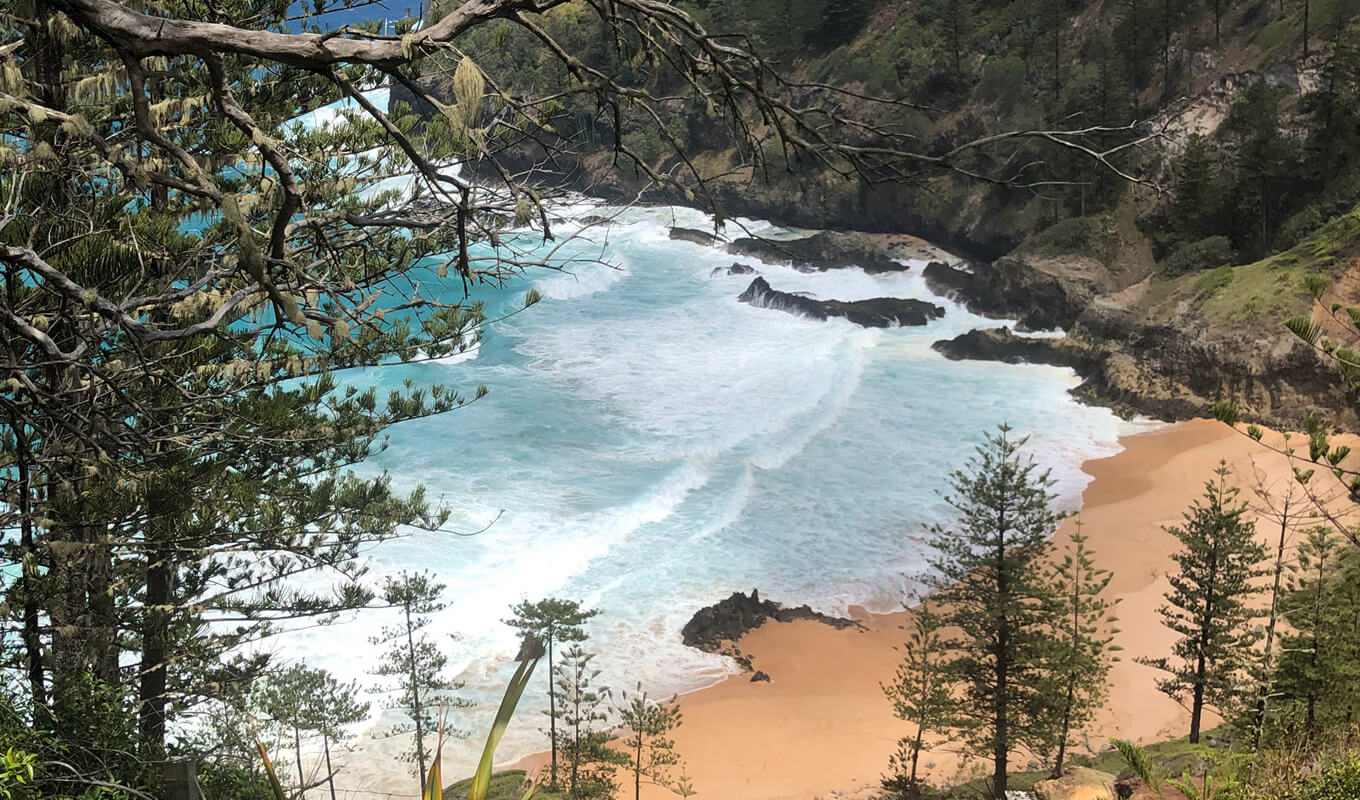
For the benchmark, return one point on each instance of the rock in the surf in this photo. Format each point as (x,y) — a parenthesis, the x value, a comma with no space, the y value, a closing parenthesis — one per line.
(878,312)
(712,627)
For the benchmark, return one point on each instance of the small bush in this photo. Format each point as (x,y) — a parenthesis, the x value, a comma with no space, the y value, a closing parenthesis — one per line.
(1083,236)
(1209,253)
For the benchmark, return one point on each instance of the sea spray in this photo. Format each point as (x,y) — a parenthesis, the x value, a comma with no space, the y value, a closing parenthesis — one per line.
(650,445)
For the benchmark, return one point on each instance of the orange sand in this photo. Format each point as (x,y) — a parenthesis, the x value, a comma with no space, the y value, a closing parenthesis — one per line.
(822,727)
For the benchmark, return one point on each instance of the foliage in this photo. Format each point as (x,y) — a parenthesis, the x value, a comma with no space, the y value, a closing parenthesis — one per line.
(1209,604)
(17,771)
(417,664)
(1085,620)
(307,702)
(551,621)
(1086,236)
(988,581)
(920,695)
(1139,761)
(650,750)
(589,764)
(1317,674)
(1208,253)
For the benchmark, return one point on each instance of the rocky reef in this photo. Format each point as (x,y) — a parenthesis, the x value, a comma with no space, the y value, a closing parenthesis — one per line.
(696,236)
(715,628)
(1004,345)
(879,312)
(735,269)
(819,252)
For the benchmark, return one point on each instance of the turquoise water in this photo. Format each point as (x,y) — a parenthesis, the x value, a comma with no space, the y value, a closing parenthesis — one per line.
(650,445)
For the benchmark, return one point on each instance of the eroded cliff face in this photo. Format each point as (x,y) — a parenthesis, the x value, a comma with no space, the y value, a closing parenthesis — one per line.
(1137,357)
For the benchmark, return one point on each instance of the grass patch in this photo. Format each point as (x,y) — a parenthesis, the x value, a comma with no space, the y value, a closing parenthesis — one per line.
(1280,33)
(507,785)
(1270,289)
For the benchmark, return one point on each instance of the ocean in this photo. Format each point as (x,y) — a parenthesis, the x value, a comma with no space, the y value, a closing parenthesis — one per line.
(650,445)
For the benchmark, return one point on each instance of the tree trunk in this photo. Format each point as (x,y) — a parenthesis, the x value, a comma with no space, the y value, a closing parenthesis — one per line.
(69,614)
(330,772)
(1259,718)
(1166,51)
(103,620)
(417,708)
(297,753)
(637,771)
(914,787)
(155,644)
(1057,60)
(1201,661)
(28,575)
(1306,4)
(552,716)
(1001,736)
(1066,725)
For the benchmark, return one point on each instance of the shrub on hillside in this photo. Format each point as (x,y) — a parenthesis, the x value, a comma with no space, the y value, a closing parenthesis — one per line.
(1215,251)
(1082,236)
(1338,780)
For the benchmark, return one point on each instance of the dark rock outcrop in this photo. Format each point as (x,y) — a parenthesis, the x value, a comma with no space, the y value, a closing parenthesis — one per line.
(1002,344)
(760,676)
(735,269)
(697,237)
(956,284)
(713,627)
(760,295)
(821,251)
(884,312)
(879,312)
(1042,293)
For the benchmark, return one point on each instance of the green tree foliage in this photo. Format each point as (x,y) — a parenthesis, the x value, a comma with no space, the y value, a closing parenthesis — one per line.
(988,580)
(192,284)
(1264,159)
(1085,619)
(647,744)
(1197,205)
(1317,676)
(416,663)
(309,702)
(1209,605)
(920,695)
(552,621)
(589,764)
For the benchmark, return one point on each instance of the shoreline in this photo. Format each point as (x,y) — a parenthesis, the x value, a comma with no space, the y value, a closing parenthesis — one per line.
(822,727)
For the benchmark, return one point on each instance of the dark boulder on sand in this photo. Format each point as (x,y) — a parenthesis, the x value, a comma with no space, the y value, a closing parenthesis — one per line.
(728,620)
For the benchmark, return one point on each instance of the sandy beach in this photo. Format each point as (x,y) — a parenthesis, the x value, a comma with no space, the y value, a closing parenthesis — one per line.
(821,727)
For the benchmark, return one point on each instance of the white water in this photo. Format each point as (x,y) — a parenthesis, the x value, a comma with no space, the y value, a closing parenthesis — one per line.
(651,445)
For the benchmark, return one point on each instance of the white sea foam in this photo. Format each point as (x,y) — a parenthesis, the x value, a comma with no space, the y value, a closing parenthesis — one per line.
(655,444)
